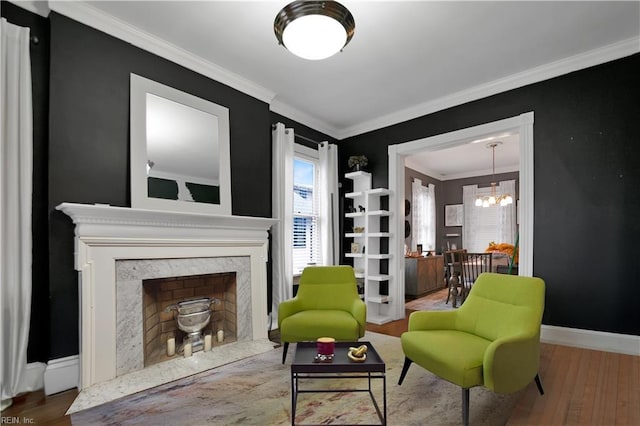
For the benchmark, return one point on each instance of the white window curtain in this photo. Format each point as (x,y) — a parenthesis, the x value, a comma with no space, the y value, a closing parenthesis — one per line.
(507,214)
(282,201)
(470,219)
(16,164)
(424,215)
(328,188)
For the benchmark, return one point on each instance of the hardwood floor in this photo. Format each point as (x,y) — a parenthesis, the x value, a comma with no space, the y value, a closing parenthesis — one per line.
(582,387)
(37,408)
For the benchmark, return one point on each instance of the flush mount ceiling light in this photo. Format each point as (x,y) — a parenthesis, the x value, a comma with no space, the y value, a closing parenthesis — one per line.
(314,29)
(492,199)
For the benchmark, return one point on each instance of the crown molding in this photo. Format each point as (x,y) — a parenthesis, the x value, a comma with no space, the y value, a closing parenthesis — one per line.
(544,72)
(88,15)
(304,118)
(38,7)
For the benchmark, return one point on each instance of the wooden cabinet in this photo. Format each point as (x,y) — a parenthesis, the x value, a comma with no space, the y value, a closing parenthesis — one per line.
(423,275)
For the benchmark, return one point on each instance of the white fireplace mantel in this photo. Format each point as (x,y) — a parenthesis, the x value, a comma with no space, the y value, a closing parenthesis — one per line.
(101,220)
(105,234)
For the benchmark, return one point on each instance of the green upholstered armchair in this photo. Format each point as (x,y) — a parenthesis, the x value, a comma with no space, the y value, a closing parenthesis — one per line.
(326,305)
(492,340)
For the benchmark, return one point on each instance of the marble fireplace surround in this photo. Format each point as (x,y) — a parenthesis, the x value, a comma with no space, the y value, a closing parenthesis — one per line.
(105,234)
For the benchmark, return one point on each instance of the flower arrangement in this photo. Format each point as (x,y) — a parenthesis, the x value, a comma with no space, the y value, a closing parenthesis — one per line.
(356,162)
(505,248)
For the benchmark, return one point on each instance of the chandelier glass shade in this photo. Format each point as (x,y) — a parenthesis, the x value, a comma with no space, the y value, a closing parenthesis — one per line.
(314,29)
(493,198)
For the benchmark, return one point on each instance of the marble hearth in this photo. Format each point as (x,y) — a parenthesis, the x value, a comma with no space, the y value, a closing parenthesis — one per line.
(117,248)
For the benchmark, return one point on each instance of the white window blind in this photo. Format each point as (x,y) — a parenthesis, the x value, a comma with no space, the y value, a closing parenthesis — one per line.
(306,238)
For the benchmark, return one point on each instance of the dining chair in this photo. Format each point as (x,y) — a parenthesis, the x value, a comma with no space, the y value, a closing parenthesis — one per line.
(453,261)
(472,265)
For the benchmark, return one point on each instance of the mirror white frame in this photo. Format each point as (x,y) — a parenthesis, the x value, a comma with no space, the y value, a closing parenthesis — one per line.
(140,87)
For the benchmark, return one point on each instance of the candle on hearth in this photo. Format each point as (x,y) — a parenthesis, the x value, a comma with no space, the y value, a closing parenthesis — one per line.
(220,335)
(171,346)
(207,341)
(187,348)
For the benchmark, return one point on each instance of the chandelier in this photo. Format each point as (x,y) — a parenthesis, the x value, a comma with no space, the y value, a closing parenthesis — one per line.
(493,198)
(314,29)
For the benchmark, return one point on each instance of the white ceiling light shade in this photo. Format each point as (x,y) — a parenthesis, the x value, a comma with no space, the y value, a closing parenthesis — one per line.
(314,29)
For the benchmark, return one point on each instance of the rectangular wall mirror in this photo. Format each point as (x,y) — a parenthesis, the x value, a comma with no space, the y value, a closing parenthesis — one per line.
(179,151)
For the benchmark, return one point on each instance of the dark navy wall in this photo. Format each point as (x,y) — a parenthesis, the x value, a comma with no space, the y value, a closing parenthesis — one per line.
(586,173)
(586,178)
(89,144)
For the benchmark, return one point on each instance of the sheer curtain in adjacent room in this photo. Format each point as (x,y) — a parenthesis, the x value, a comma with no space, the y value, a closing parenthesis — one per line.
(423,226)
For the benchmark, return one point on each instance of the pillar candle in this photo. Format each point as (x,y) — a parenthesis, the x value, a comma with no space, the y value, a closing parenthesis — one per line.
(171,346)
(187,350)
(326,345)
(220,335)
(207,342)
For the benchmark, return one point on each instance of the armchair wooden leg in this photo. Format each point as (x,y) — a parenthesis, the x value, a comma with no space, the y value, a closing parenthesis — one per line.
(465,406)
(284,351)
(405,368)
(539,384)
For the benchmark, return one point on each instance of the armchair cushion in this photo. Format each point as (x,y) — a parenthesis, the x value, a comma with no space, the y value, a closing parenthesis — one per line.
(455,356)
(309,325)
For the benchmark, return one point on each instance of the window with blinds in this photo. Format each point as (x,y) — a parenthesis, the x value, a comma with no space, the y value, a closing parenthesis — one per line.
(306,238)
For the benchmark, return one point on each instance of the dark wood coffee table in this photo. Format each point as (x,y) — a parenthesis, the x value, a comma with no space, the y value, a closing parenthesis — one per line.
(304,367)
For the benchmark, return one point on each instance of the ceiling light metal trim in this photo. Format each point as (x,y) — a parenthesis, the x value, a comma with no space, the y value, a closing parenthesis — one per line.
(301,8)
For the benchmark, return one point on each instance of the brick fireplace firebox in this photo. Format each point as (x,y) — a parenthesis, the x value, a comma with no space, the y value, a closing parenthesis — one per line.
(160,293)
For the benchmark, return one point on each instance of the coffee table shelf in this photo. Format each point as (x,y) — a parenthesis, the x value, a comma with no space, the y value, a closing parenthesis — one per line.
(304,367)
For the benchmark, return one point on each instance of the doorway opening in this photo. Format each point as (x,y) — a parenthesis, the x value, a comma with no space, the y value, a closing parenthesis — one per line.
(521,125)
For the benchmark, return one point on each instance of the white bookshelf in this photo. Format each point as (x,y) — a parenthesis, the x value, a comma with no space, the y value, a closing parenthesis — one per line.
(366,254)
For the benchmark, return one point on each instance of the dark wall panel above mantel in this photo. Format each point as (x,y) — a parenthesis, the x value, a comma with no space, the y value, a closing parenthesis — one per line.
(89,144)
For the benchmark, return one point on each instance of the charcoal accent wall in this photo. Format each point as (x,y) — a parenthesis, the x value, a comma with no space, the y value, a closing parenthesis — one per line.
(38,348)
(586,178)
(89,145)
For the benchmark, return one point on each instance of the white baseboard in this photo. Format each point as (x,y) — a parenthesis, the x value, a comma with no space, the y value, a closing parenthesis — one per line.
(61,374)
(589,339)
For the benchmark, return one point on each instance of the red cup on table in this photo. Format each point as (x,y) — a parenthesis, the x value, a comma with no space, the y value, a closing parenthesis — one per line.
(326,346)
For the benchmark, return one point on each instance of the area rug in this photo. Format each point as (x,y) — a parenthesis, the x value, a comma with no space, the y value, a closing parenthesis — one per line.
(257,391)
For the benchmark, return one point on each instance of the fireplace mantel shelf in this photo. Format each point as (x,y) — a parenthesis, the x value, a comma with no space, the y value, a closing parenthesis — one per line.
(102,214)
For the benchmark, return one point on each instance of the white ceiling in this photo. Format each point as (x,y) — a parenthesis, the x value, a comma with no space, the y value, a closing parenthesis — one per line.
(473,158)
(406,59)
